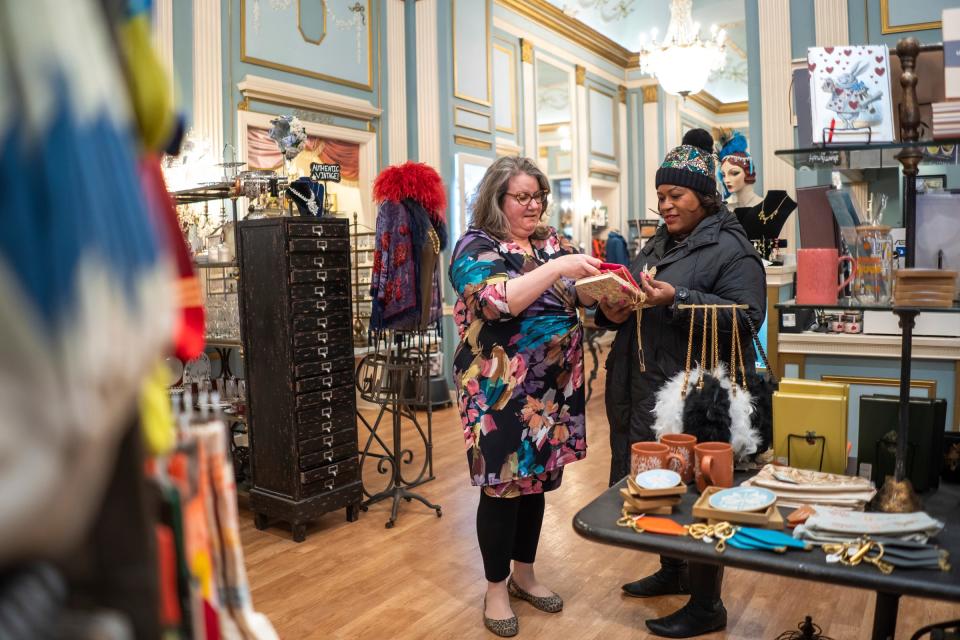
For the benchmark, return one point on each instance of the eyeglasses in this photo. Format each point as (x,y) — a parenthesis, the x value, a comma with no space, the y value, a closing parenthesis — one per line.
(523,198)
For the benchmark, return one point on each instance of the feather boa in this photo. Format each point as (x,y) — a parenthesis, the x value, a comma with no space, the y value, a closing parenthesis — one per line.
(675,414)
(417,181)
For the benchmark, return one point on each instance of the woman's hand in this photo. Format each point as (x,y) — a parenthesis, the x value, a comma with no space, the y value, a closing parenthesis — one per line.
(659,293)
(575,266)
(616,312)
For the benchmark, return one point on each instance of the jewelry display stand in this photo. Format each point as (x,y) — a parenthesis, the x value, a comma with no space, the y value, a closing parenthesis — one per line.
(764,222)
(395,375)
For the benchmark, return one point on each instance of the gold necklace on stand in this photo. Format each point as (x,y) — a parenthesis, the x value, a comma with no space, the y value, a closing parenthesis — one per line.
(766,217)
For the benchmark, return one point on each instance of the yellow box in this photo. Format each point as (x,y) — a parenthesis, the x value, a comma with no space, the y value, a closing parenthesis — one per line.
(817,415)
(813,387)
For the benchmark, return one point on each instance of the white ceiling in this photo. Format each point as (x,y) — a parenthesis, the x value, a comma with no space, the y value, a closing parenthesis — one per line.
(644,15)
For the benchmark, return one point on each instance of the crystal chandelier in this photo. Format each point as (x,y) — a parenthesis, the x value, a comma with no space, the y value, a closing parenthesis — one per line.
(682,62)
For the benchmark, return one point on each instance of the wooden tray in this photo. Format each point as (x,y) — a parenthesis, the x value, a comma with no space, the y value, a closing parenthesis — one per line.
(645,505)
(770,518)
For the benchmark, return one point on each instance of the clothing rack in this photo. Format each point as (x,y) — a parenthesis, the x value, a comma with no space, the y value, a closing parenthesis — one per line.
(395,376)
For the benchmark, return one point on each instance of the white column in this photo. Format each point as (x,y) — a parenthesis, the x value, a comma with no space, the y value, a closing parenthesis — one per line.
(775,88)
(529,101)
(428,84)
(163,36)
(833,26)
(624,155)
(671,122)
(208,74)
(580,161)
(396,83)
(651,149)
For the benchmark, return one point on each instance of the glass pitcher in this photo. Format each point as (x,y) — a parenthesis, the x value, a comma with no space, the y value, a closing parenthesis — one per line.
(874,255)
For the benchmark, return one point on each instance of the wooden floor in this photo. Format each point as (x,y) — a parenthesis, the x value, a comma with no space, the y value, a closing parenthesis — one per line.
(423,578)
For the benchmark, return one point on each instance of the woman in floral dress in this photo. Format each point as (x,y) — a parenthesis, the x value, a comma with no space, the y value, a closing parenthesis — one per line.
(519,374)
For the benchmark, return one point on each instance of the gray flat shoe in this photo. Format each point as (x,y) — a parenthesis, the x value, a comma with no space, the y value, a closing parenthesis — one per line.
(550,604)
(503,628)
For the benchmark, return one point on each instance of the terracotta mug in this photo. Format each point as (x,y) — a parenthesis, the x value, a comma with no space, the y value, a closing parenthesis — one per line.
(713,465)
(817,275)
(645,456)
(681,445)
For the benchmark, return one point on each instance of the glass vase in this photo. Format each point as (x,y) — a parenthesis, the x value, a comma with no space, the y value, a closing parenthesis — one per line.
(874,255)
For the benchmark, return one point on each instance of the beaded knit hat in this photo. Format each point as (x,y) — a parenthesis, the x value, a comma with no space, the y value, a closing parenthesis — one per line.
(692,164)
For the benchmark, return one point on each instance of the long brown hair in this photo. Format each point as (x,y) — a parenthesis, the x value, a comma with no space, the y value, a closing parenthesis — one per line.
(486,212)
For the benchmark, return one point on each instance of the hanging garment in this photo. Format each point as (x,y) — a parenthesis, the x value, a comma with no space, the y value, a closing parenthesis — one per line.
(411,232)
(617,249)
(86,285)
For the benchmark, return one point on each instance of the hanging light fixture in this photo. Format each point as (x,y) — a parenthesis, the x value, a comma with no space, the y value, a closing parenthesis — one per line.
(682,62)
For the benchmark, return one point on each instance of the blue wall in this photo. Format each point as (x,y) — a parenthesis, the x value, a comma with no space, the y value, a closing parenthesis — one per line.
(755,108)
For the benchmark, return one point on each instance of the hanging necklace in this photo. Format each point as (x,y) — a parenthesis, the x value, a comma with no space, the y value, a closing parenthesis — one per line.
(766,217)
(311,202)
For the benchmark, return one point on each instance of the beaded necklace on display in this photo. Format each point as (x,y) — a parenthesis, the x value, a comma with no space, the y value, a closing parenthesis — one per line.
(766,217)
(311,202)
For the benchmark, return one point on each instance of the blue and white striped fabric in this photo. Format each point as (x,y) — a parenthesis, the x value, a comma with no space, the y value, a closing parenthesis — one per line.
(86,287)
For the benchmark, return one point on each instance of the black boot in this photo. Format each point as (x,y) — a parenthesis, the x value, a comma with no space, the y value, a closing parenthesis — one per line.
(703,613)
(671,579)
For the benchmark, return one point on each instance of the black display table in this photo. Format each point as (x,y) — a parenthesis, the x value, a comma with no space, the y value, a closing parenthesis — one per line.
(598,522)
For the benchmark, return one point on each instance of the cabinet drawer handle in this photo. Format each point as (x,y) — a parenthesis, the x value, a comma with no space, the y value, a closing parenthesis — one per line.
(328,381)
(321,305)
(328,485)
(322,245)
(333,470)
(328,456)
(327,427)
(319,291)
(327,441)
(322,338)
(317,230)
(322,324)
(326,413)
(322,276)
(318,261)
(326,367)
(327,395)
(322,352)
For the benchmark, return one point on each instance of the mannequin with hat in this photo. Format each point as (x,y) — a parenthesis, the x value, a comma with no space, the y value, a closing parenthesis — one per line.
(762,218)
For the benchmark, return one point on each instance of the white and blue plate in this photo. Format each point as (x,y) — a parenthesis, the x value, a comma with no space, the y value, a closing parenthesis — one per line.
(743,499)
(658,479)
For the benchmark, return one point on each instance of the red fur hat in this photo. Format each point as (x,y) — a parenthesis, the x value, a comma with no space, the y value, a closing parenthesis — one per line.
(414,180)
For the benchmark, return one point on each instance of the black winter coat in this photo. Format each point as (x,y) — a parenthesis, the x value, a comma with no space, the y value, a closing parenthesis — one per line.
(717,265)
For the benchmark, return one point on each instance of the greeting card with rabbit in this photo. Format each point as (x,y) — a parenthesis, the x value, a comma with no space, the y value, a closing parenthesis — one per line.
(850,92)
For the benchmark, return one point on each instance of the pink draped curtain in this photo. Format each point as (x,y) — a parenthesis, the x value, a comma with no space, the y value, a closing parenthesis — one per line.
(262,153)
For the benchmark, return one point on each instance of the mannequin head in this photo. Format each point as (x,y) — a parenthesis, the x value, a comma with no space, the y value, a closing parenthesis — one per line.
(738,172)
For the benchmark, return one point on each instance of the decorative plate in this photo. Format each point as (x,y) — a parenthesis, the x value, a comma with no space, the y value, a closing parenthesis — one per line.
(197,370)
(743,499)
(658,479)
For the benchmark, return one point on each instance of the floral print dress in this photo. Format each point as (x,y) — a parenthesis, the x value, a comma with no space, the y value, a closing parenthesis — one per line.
(519,378)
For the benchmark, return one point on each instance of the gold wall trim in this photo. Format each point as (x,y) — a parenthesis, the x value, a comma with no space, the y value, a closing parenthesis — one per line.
(711,104)
(581,74)
(476,143)
(650,93)
(371,9)
(512,55)
(930,386)
(323,3)
(553,126)
(549,16)
(622,91)
(526,50)
(488,116)
(887,28)
(486,40)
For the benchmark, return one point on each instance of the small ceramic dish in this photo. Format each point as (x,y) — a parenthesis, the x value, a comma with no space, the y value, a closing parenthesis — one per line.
(743,499)
(658,479)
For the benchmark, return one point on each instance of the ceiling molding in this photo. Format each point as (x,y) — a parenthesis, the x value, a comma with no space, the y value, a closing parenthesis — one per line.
(287,94)
(711,104)
(544,13)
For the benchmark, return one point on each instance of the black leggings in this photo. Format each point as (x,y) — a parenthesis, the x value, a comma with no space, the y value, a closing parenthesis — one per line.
(508,529)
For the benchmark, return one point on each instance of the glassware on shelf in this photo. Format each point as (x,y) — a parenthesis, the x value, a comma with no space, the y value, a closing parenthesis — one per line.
(874,255)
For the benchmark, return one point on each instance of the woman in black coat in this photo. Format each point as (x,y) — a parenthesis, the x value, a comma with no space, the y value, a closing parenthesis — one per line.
(702,256)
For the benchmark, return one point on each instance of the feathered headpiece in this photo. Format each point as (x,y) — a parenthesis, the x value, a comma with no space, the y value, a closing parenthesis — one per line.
(414,180)
(733,148)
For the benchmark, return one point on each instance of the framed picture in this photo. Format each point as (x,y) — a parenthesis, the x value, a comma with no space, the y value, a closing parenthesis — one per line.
(931,183)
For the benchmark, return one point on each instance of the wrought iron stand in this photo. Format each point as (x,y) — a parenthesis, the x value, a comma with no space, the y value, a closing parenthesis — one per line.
(396,377)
